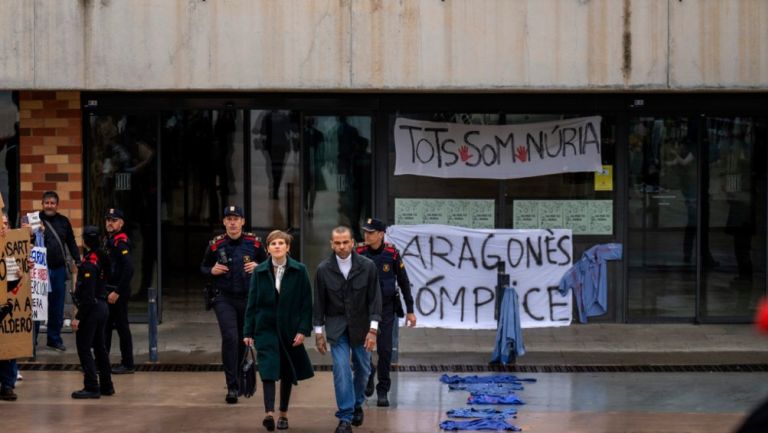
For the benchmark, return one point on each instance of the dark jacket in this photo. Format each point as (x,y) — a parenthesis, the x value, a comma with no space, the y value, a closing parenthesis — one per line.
(233,253)
(273,321)
(120,264)
(55,251)
(347,304)
(90,285)
(391,268)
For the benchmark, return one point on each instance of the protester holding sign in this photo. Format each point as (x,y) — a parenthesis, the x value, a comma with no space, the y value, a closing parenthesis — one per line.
(7,367)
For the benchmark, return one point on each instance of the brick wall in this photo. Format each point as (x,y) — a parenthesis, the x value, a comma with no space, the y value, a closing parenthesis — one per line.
(51,151)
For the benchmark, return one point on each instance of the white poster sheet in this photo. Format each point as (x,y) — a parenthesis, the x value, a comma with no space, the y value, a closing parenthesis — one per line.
(453,273)
(457,150)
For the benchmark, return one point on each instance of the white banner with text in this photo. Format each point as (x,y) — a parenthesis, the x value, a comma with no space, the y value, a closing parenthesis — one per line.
(457,150)
(454,273)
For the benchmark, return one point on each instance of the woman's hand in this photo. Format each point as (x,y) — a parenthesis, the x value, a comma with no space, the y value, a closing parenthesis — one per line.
(248,342)
(299,340)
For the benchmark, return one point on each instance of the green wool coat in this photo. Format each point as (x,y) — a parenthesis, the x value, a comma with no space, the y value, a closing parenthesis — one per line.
(274,324)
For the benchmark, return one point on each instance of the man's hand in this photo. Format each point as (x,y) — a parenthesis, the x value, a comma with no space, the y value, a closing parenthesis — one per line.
(410,320)
(112,297)
(219,269)
(249,267)
(248,342)
(320,344)
(370,341)
(75,324)
(298,340)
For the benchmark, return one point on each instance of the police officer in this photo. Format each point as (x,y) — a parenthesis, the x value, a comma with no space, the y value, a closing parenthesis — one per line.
(229,260)
(90,321)
(391,269)
(118,248)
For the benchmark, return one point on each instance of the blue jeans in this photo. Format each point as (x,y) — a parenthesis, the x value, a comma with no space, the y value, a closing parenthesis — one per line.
(8,372)
(350,389)
(56,298)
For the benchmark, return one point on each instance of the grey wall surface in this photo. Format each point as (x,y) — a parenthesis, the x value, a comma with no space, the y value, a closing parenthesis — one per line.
(384,45)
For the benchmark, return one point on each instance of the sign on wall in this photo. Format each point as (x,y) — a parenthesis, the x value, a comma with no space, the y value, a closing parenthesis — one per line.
(15,328)
(477,214)
(453,273)
(583,217)
(457,150)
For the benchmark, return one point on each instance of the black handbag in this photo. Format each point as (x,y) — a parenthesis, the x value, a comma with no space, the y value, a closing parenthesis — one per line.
(247,379)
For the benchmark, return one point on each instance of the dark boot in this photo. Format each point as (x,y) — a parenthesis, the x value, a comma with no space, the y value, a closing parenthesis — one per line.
(382,401)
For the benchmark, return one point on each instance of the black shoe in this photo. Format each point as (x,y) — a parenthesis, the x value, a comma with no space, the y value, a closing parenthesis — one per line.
(343,427)
(269,423)
(369,385)
(60,347)
(84,393)
(357,417)
(382,401)
(282,423)
(7,394)
(231,396)
(121,369)
(108,391)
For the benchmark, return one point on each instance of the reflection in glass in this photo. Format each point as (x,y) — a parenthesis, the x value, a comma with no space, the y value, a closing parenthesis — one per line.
(663,208)
(337,150)
(735,159)
(9,145)
(122,173)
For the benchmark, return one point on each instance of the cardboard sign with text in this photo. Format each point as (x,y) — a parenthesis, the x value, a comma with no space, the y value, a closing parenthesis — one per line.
(16,328)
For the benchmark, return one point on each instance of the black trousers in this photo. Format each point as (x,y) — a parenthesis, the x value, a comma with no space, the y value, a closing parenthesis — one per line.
(269,395)
(90,334)
(384,345)
(118,320)
(230,313)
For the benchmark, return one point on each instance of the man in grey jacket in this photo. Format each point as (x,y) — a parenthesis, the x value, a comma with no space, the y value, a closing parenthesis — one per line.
(348,304)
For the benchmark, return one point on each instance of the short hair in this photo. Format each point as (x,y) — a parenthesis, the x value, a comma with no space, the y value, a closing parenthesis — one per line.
(340,230)
(51,194)
(279,234)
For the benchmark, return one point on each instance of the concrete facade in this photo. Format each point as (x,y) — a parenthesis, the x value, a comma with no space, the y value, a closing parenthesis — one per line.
(381,45)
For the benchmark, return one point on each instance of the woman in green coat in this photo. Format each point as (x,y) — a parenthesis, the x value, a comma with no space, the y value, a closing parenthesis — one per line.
(277,319)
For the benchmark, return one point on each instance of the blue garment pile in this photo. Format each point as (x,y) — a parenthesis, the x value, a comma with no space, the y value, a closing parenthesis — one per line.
(488,388)
(488,412)
(484,379)
(509,334)
(493,399)
(478,424)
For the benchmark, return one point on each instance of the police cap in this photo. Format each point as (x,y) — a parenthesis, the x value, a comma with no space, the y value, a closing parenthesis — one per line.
(234,210)
(114,213)
(374,225)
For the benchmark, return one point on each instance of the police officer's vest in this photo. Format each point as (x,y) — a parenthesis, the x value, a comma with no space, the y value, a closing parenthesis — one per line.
(100,291)
(385,263)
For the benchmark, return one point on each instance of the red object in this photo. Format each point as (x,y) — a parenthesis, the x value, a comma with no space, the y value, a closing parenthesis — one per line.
(761,318)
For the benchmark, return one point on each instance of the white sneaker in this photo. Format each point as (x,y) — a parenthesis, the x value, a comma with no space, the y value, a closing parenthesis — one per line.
(19,376)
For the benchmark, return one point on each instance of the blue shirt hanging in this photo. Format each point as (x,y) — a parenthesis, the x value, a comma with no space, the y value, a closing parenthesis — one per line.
(588,279)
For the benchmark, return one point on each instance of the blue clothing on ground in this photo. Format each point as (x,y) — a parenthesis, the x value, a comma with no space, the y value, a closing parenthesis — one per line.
(478,424)
(509,334)
(488,388)
(588,278)
(473,412)
(484,379)
(494,399)
(349,387)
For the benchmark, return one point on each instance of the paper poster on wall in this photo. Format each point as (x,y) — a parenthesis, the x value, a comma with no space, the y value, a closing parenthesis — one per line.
(468,213)
(16,327)
(604,179)
(583,217)
(453,273)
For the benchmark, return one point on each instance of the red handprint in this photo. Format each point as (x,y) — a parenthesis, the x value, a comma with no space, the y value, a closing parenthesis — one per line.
(521,154)
(464,153)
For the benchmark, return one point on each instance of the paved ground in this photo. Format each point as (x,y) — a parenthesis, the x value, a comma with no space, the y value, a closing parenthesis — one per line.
(575,403)
(592,344)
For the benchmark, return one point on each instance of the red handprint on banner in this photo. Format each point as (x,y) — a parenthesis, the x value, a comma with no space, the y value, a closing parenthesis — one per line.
(521,154)
(464,153)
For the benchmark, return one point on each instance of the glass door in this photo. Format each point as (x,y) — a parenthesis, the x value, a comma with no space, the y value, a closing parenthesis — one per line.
(121,172)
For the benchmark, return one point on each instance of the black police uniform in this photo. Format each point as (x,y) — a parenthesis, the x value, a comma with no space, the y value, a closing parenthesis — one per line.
(232,294)
(391,269)
(90,298)
(118,248)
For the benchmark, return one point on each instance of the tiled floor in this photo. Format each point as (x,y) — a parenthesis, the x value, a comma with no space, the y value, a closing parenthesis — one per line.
(557,402)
